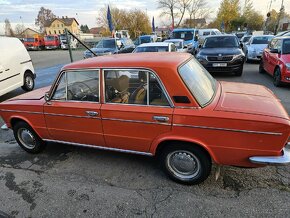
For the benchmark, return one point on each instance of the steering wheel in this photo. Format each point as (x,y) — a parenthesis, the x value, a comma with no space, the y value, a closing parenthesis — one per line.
(80,90)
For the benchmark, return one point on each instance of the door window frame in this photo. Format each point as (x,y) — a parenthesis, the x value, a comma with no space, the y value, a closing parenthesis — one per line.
(171,105)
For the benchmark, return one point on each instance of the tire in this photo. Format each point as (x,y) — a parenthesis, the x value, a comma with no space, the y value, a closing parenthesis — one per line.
(247,60)
(29,83)
(27,138)
(261,67)
(240,72)
(175,158)
(277,77)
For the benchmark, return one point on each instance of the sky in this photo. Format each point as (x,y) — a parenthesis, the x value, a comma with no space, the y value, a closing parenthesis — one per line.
(86,11)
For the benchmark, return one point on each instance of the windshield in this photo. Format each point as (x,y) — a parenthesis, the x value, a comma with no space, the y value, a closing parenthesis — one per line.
(221,42)
(286,46)
(107,43)
(185,35)
(49,38)
(261,40)
(29,40)
(145,39)
(151,49)
(246,38)
(200,83)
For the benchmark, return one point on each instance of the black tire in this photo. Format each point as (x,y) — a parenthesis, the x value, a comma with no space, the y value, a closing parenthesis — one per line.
(27,138)
(240,71)
(246,57)
(29,83)
(175,158)
(277,77)
(261,67)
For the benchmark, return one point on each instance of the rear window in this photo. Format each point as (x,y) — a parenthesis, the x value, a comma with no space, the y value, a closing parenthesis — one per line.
(152,49)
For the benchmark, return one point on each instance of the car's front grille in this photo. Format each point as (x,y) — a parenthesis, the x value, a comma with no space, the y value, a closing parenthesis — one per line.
(219,58)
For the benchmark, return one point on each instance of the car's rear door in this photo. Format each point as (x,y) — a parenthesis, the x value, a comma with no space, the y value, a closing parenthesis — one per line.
(73,112)
(136,109)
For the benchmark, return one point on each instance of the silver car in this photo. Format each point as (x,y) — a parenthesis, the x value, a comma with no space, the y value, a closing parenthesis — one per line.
(254,48)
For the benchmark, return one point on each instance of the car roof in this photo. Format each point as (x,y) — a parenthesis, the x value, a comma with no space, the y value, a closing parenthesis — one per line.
(213,36)
(173,40)
(165,44)
(282,37)
(185,29)
(132,60)
(145,36)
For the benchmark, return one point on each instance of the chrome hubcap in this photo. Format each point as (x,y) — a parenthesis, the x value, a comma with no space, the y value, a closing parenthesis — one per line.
(183,164)
(26,138)
(29,82)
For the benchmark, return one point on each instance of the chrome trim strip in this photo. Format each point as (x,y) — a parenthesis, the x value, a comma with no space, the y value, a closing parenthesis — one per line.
(75,116)
(184,107)
(16,111)
(136,121)
(24,62)
(273,160)
(4,127)
(100,147)
(231,130)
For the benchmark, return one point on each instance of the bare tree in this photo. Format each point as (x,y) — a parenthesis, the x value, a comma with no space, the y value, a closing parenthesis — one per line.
(19,28)
(168,7)
(8,28)
(43,16)
(197,9)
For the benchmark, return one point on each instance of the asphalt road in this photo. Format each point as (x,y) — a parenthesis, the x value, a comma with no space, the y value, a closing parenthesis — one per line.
(66,181)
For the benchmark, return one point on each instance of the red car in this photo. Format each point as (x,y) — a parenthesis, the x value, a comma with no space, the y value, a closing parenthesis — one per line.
(157,104)
(276,60)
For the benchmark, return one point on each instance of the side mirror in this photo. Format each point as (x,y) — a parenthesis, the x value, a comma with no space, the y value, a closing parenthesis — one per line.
(241,45)
(46,96)
(196,38)
(275,51)
(199,46)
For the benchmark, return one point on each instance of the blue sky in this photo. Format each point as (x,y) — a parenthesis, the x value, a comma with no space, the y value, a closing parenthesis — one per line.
(88,10)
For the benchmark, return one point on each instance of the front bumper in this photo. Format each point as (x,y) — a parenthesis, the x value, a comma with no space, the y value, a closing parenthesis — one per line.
(273,160)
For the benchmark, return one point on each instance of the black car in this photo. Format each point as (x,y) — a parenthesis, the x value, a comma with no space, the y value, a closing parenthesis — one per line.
(111,46)
(222,53)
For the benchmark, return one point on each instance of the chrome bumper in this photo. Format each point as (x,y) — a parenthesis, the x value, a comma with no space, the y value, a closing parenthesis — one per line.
(4,127)
(273,160)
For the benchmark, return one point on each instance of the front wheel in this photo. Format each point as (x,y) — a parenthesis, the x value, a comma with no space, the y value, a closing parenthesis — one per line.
(186,163)
(261,67)
(277,77)
(240,71)
(27,138)
(28,82)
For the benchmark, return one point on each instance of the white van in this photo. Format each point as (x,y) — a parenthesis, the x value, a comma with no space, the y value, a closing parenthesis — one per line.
(203,33)
(16,69)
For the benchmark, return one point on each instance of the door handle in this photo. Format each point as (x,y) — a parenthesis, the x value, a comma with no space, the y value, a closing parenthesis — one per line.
(161,119)
(92,113)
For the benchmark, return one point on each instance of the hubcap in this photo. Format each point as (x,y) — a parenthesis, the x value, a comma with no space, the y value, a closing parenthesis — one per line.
(26,138)
(29,82)
(183,164)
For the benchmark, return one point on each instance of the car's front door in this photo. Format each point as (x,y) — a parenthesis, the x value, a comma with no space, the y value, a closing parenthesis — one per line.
(136,109)
(274,57)
(73,112)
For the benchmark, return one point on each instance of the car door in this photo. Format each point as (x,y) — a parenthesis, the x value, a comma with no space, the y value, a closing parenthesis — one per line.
(73,112)
(274,57)
(136,109)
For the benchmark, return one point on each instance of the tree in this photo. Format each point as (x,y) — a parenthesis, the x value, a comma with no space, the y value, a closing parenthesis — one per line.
(174,9)
(228,11)
(248,8)
(43,16)
(85,28)
(19,28)
(197,9)
(8,28)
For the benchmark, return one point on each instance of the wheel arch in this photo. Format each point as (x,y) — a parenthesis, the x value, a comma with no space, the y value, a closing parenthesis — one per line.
(16,119)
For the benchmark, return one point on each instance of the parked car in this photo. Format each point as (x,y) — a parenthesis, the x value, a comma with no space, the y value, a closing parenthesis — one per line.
(34,43)
(222,53)
(203,33)
(179,44)
(276,60)
(52,41)
(255,46)
(64,42)
(240,34)
(16,69)
(132,104)
(245,39)
(155,47)
(190,37)
(144,39)
(111,46)
(284,33)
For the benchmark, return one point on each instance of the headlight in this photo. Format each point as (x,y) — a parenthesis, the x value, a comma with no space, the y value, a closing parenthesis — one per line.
(107,53)
(288,66)
(189,45)
(238,56)
(200,57)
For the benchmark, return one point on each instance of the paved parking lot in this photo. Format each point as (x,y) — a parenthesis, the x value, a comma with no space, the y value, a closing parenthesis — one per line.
(67,181)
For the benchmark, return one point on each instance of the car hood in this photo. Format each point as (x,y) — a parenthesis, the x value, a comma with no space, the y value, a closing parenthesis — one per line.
(102,50)
(250,99)
(223,51)
(33,95)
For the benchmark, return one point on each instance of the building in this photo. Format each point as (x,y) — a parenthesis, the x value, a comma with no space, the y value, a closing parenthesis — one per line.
(196,23)
(58,26)
(284,24)
(28,33)
(98,30)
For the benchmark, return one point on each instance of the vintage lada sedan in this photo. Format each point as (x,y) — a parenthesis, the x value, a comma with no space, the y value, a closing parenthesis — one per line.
(158,104)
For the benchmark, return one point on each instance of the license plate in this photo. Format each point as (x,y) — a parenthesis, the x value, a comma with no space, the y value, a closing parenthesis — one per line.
(219,64)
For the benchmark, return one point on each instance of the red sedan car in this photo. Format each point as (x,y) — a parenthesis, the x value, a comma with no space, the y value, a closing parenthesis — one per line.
(157,104)
(276,60)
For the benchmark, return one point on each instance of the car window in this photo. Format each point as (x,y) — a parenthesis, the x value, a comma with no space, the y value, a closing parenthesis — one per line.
(106,43)
(221,42)
(261,40)
(151,49)
(206,33)
(132,87)
(286,46)
(186,35)
(173,48)
(200,83)
(78,86)
(272,44)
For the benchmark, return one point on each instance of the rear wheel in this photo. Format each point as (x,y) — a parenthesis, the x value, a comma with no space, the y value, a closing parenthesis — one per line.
(27,138)
(277,77)
(28,82)
(261,67)
(185,163)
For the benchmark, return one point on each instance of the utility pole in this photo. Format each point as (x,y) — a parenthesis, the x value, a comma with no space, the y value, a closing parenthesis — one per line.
(279,17)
